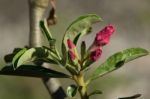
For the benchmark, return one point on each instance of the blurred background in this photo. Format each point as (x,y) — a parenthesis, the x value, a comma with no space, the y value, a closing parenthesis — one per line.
(131,19)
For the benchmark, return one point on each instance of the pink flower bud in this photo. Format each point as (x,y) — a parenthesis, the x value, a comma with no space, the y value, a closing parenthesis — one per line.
(95,55)
(72,55)
(102,38)
(70,44)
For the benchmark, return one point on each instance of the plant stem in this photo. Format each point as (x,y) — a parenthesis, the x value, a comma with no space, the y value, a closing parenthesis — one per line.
(79,79)
(37,9)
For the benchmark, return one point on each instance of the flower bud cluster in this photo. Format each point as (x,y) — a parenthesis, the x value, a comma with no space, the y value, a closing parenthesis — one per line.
(102,38)
(95,50)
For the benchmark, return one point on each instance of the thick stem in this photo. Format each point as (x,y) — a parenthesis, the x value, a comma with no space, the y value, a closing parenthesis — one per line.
(37,9)
(79,79)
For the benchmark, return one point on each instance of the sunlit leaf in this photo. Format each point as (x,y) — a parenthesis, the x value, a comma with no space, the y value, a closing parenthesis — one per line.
(117,60)
(72,90)
(17,56)
(9,57)
(32,71)
(30,55)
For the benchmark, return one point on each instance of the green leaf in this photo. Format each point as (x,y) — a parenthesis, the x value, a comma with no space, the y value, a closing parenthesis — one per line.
(30,55)
(117,60)
(95,92)
(45,30)
(72,90)
(9,57)
(112,63)
(32,71)
(134,53)
(81,26)
(26,57)
(77,29)
(17,56)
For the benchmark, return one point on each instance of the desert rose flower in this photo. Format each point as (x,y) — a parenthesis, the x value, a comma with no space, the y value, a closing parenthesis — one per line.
(96,54)
(102,38)
(70,44)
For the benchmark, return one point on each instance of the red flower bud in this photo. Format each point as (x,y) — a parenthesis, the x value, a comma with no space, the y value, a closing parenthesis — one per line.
(102,38)
(95,55)
(70,44)
(72,55)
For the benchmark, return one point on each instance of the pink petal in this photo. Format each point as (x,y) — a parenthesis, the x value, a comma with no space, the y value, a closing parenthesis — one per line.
(70,44)
(72,55)
(103,37)
(95,55)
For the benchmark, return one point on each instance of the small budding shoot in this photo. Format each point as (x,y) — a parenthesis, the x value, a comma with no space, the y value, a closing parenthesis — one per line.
(93,54)
(102,38)
(95,50)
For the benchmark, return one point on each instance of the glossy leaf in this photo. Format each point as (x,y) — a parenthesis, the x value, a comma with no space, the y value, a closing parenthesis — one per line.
(77,29)
(72,90)
(30,55)
(26,57)
(9,57)
(117,60)
(32,71)
(95,92)
(17,56)
(82,25)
